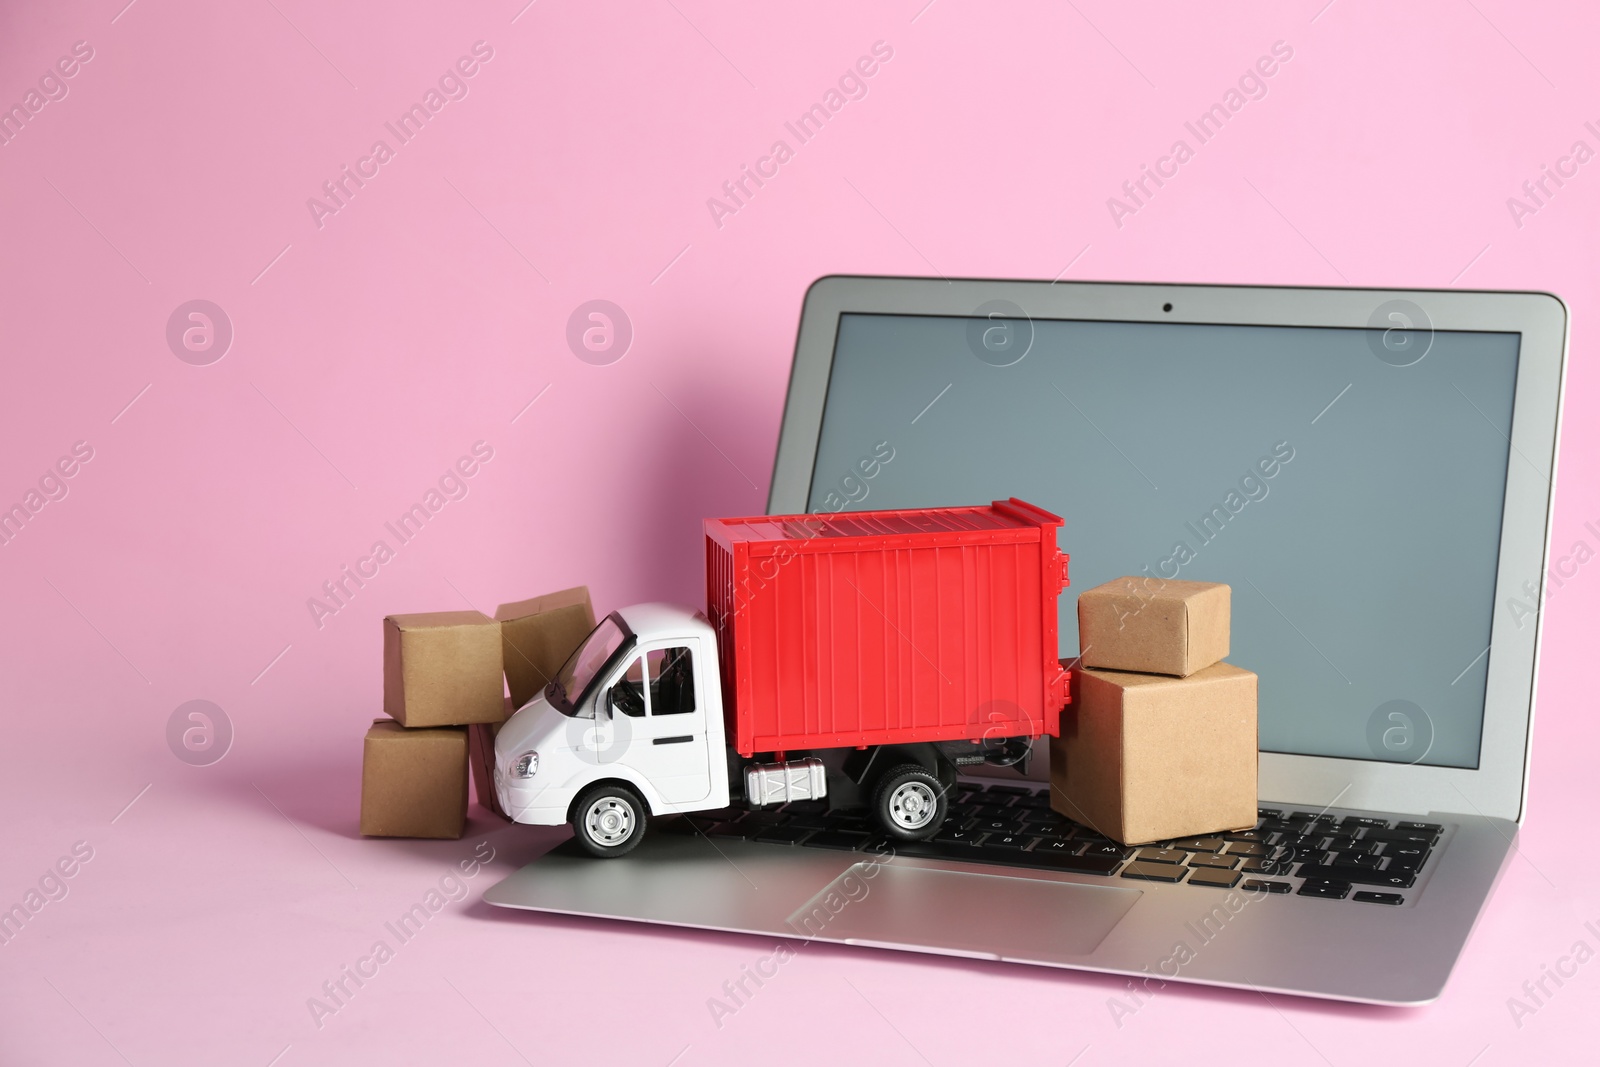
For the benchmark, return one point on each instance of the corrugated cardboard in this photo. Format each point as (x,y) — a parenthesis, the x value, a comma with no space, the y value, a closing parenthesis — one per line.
(1143,757)
(480,744)
(413,782)
(538,635)
(442,668)
(1151,624)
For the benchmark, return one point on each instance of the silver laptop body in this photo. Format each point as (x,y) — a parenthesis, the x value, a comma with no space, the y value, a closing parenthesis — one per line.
(1389,600)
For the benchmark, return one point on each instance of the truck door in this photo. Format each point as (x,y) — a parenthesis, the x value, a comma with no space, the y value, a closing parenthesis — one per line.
(668,745)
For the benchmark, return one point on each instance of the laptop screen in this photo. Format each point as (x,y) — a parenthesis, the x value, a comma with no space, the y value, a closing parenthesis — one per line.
(1348,484)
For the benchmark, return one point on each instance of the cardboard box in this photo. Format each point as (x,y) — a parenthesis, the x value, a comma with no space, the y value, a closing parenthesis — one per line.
(1155,625)
(537,637)
(442,668)
(1143,757)
(413,782)
(480,746)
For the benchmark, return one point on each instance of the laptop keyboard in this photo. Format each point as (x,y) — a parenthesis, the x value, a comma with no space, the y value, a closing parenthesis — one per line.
(1363,858)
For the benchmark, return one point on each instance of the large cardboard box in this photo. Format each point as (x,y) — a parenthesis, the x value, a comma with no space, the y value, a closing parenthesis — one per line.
(1142,757)
(442,668)
(1163,626)
(413,782)
(537,637)
(480,747)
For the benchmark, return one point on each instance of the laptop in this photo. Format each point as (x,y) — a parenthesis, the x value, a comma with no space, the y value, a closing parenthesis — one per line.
(1372,473)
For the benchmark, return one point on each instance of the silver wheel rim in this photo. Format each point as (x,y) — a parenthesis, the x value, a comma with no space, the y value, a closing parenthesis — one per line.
(609,821)
(912,805)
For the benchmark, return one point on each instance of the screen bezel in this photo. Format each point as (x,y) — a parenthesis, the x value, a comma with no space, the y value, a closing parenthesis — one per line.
(1498,786)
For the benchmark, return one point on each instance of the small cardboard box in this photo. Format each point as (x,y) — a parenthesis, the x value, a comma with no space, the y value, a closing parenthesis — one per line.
(442,668)
(1143,757)
(480,744)
(1156,625)
(413,782)
(537,637)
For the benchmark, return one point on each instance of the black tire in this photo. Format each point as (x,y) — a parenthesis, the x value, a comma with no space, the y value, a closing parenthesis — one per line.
(909,803)
(609,820)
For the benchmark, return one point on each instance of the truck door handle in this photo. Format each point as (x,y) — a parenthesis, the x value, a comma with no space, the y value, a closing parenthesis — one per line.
(672,740)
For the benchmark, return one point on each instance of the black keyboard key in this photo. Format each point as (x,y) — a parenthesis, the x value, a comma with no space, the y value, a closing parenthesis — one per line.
(1293,854)
(1214,879)
(1246,848)
(1042,816)
(1269,813)
(1200,844)
(1354,822)
(1205,859)
(1422,827)
(958,837)
(986,810)
(843,840)
(1258,865)
(1313,816)
(1160,855)
(1154,872)
(809,822)
(998,826)
(1016,842)
(764,818)
(1339,843)
(1261,885)
(1053,833)
(1101,865)
(783,835)
(1108,849)
(989,811)
(1255,836)
(1322,887)
(1400,837)
(1347,859)
(706,818)
(1400,879)
(1301,843)
(731,829)
(1057,845)
(1010,791)
(1406,858)
(806,807)
(1367,897)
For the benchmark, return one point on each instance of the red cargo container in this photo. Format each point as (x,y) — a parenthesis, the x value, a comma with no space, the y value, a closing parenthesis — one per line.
(887,627)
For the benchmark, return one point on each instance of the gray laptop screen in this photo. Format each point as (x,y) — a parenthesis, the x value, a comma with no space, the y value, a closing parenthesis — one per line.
(1348,489)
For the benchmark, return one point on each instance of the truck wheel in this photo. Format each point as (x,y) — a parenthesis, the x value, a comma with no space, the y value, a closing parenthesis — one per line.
(910,803)
(609,820)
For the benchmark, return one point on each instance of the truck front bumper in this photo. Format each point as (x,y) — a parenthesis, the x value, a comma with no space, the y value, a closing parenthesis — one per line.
(528,802)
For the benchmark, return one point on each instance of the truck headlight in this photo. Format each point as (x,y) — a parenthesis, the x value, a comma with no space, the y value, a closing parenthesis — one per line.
(526,765)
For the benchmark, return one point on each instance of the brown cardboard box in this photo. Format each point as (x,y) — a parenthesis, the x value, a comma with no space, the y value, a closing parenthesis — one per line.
(442,668)
(480,744)
(1156,625)
(413,782)
(1143,757)
(538,635)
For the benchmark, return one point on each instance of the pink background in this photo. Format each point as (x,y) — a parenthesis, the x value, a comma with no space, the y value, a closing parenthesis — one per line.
(372,351)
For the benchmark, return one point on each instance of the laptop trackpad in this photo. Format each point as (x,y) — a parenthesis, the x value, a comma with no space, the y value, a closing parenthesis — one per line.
(988,916)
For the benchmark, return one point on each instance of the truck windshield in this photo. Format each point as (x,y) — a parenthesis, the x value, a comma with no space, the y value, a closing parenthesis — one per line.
(572,682)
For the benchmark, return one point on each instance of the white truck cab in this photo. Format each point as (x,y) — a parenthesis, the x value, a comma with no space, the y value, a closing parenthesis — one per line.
(631,727)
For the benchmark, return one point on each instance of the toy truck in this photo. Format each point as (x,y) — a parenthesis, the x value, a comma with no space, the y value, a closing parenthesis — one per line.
(904,645)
